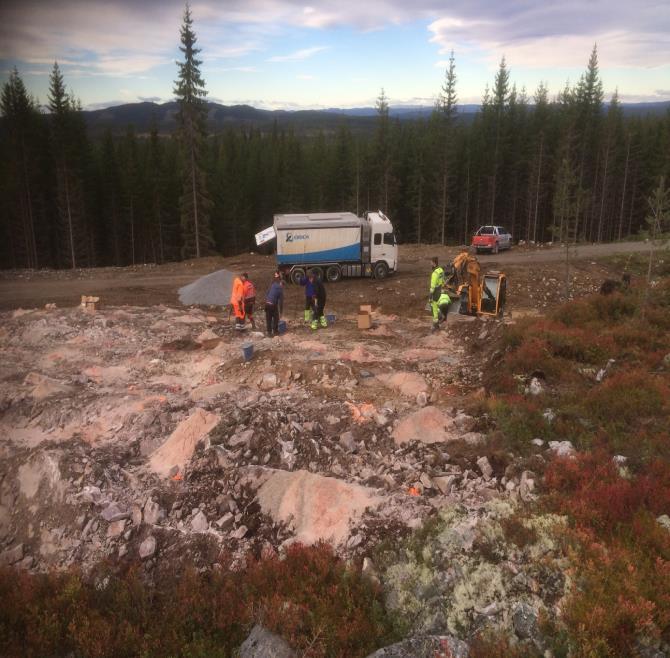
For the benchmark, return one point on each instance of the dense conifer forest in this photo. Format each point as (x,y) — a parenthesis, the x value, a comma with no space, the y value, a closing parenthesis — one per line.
(550,168)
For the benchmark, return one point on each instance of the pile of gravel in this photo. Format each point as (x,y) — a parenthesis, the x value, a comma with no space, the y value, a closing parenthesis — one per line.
(211,289)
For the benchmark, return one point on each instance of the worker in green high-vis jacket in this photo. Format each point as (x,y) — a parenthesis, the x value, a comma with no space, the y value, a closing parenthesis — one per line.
(437,281)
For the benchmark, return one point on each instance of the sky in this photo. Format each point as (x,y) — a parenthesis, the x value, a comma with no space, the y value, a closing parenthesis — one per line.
(285,54)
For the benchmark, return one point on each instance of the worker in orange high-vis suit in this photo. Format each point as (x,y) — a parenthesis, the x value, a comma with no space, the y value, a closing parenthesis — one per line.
(237,302)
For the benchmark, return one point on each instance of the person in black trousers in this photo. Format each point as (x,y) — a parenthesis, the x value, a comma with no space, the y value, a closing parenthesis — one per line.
(274,305)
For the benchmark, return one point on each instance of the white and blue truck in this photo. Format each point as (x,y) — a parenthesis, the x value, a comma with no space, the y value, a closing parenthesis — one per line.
(335,245)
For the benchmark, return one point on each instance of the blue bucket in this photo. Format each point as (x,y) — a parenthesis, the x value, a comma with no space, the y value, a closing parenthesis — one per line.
(247,351)
(282,327)
(330,318)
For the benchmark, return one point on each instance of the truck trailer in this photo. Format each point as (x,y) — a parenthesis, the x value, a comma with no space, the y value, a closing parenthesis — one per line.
(333,244)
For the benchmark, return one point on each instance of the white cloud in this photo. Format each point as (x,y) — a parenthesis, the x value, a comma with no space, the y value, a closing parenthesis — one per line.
(298,55)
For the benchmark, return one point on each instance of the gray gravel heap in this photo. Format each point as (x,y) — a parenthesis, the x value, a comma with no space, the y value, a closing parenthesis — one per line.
(211,289)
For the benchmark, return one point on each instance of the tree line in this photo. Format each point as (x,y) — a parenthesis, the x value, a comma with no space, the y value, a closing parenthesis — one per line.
(568,169)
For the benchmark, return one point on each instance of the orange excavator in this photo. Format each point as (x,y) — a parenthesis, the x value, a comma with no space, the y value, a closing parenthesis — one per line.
(478,293)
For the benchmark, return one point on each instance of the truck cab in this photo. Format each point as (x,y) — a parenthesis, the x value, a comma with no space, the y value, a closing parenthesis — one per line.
(383,245)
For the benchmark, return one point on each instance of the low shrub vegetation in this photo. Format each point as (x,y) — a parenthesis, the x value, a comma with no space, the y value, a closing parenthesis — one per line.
(618,484)
(314,600)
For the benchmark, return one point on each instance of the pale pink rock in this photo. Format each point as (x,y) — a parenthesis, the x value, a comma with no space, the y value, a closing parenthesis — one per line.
(317,507)
(179,448)
(406,383)
(428,425)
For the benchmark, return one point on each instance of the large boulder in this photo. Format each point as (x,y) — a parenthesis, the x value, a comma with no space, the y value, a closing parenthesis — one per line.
(406,383)
(316,507)
(428,425)
(261,643)
(179,448)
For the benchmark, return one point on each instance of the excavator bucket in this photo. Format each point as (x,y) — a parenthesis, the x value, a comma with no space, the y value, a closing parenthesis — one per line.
(493,294)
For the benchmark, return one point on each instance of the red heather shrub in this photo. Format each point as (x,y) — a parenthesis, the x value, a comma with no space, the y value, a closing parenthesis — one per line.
(590,489)
(312,598)
(622,594)
(627,397)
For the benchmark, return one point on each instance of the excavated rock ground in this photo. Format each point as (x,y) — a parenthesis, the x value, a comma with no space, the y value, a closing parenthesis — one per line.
(132,423)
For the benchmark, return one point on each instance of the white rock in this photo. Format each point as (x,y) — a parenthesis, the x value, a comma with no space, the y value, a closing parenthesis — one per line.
(153,512)
(422,399)
(562,448)
(199,522)
(347,442)
(485,467)
(535,387)
(148,547)
(240,532)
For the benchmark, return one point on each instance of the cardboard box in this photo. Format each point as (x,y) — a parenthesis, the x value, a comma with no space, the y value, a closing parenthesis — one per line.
(364,321)
(89,303)
(365,308)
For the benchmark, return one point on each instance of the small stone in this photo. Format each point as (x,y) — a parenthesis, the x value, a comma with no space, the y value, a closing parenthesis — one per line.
(444,483)
(153,512)
(26,563)
(199,522)
(113,513)
(562,448)
(347,442)
(225,522)
(485,467)
(664,521)
(524,619)
(148,547)
(116,528)
(241,439)
(136,515)
(535,387)
(537,442)
(12,555)
(268,381)
(240,532)
(426,481)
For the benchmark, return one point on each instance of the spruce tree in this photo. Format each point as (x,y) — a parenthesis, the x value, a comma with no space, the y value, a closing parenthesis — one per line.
(190,93)
(68,143)
(446,110)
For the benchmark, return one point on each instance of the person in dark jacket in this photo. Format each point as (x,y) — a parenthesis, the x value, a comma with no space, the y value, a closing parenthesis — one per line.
(308,283)
(318,300)
(274,305)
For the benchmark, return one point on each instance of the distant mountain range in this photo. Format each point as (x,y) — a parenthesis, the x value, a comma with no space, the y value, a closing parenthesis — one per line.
(362,119)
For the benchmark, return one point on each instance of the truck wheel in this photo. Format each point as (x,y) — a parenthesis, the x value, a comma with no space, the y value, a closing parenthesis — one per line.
(297,275)
(333,273)
(381,270)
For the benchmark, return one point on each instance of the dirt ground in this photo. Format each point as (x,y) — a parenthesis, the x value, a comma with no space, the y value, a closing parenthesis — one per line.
(147,285)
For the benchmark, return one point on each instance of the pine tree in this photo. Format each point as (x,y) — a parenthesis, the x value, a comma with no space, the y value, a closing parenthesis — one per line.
(190,92)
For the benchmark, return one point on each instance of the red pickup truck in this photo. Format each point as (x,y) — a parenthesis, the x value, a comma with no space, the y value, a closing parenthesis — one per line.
(491,238)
